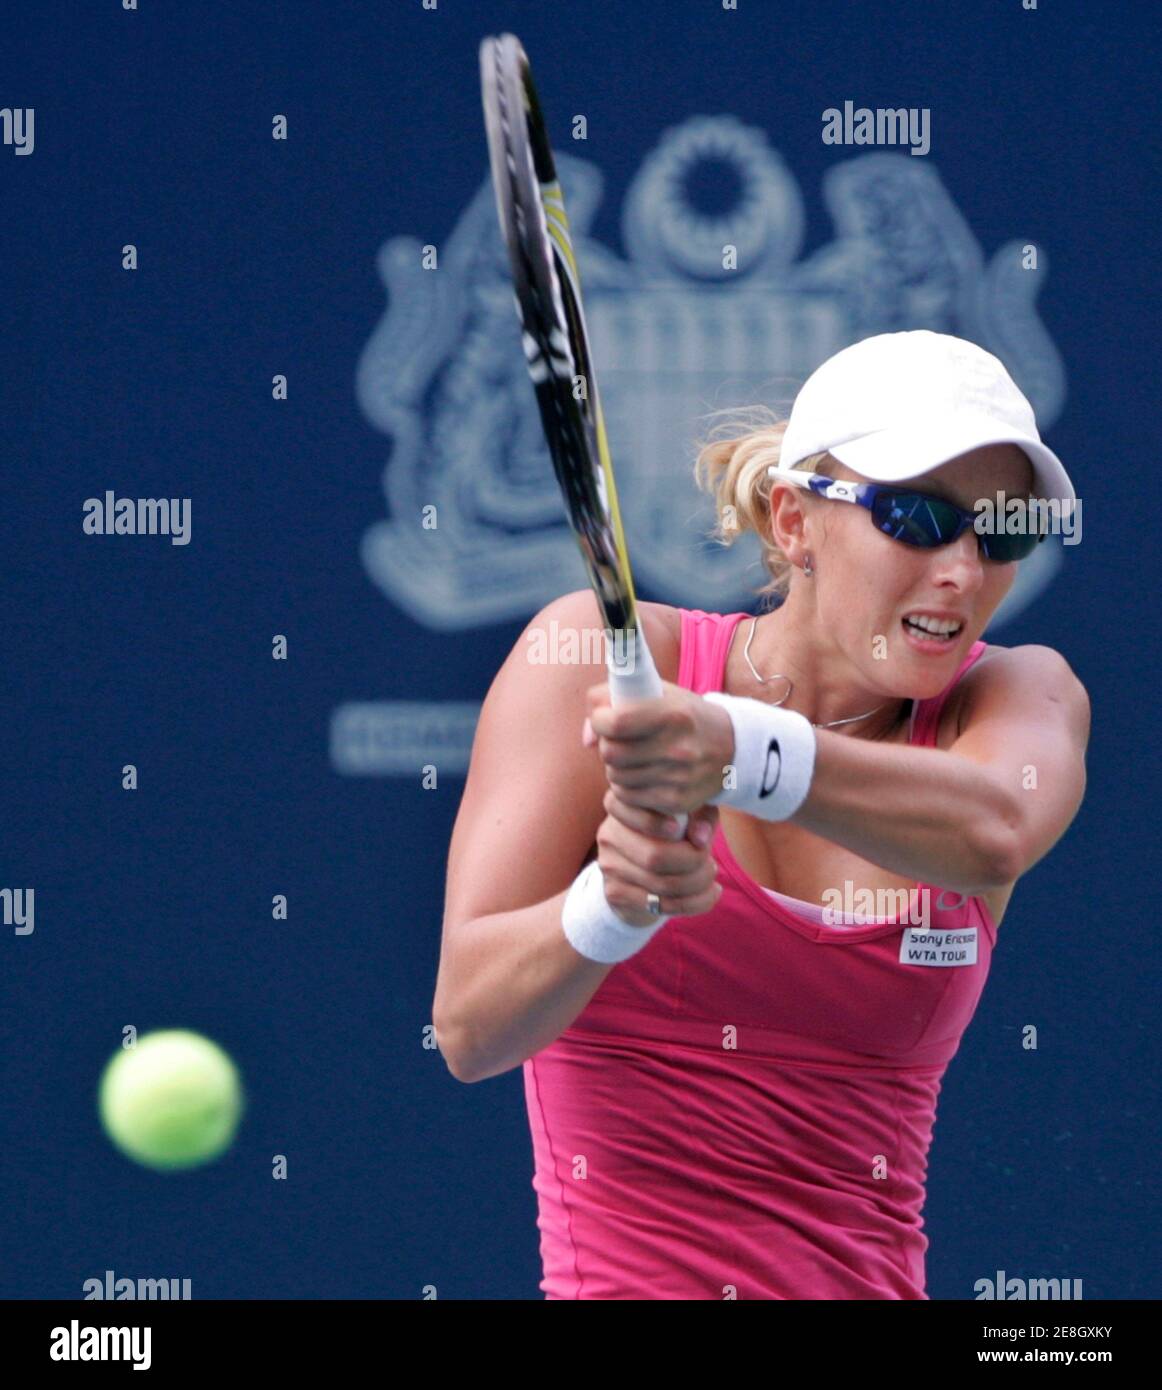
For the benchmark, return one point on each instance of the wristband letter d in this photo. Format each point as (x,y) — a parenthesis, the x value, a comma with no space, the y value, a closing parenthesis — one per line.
(774,758)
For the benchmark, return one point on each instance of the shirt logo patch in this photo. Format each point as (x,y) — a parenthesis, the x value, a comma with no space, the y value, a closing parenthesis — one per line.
(928,946)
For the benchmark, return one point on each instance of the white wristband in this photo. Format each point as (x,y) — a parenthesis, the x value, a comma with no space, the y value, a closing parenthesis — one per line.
(592,926)
(774,758)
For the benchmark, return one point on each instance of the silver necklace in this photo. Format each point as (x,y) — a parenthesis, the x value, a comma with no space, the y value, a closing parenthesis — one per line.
(762,680)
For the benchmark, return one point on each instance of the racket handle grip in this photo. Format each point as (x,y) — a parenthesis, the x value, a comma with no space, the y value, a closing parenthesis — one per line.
(633,676)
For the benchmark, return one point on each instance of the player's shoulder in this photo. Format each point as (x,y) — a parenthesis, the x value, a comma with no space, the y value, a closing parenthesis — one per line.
(1029,662)
(1018,672)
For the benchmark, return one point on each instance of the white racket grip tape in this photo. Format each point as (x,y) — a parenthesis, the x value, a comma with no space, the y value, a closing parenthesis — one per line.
(593,928)
(632,673)
(774,758)
(633,676)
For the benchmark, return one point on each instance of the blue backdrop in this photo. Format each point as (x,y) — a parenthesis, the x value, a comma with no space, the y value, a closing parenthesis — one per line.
(259,257)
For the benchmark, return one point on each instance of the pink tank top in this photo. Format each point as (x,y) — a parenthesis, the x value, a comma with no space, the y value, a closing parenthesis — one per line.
(744,1108)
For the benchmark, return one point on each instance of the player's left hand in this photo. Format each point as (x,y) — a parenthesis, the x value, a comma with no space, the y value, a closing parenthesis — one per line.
(668,754)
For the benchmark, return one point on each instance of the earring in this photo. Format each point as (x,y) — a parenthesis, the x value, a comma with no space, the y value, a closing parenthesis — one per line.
(807,570)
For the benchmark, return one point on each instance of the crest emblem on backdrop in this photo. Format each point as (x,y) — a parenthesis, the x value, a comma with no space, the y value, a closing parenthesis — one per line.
(675,335)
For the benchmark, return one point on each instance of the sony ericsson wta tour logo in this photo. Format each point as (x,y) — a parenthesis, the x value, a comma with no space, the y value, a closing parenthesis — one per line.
(710,307)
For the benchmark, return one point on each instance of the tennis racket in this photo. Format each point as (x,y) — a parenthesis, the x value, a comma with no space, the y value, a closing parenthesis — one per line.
(548,304)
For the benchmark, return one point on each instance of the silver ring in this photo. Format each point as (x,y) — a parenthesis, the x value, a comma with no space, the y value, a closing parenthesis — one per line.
(654,904)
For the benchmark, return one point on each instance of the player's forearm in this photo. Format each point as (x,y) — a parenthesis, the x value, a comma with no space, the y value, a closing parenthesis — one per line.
(922,812)
(509,986)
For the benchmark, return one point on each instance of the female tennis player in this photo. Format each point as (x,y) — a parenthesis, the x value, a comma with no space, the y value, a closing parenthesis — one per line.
(731,1072)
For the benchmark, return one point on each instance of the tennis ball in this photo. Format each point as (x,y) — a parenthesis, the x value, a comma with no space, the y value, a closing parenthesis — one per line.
(173,1101)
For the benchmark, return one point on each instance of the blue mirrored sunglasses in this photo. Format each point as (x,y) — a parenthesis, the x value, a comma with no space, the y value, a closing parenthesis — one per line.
(917,518)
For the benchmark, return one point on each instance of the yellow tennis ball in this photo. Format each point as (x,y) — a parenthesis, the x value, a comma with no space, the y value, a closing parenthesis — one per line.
(173,1101)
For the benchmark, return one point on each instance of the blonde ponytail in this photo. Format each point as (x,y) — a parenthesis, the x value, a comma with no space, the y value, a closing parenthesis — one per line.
(732,466)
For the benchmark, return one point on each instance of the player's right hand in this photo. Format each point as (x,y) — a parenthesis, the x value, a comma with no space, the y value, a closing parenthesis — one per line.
(638,855)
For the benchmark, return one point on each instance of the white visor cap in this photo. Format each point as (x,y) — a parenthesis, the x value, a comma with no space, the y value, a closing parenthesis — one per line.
(897,405)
